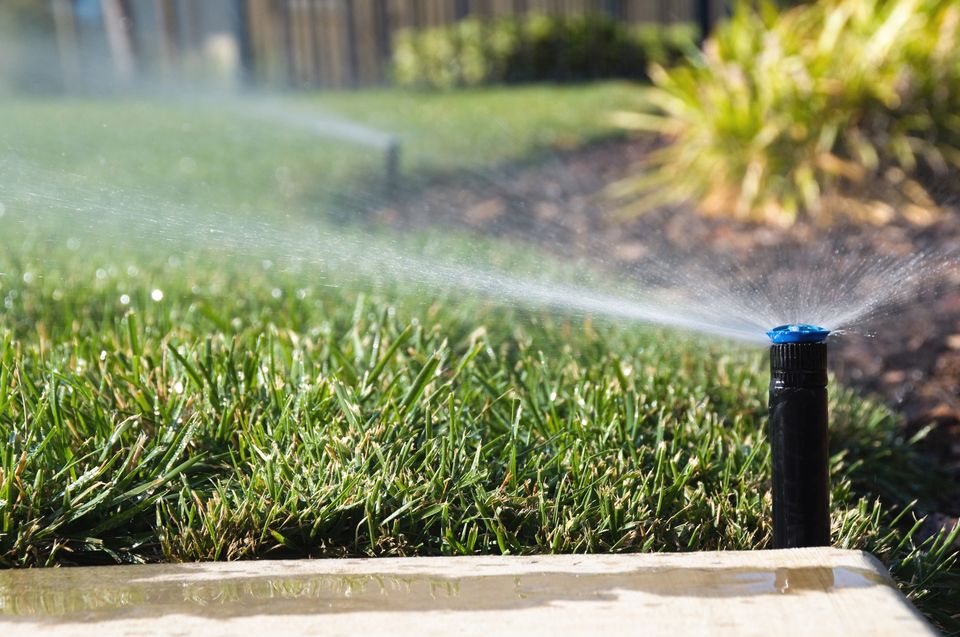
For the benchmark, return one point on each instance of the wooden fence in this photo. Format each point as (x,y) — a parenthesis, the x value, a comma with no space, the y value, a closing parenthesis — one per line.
(339,43)
(322,43)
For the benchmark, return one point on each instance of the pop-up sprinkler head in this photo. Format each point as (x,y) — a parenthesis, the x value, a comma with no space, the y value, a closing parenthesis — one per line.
(798,333)
(798,436)
(391,166)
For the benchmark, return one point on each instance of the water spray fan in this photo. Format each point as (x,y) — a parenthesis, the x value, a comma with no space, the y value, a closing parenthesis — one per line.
(798,436)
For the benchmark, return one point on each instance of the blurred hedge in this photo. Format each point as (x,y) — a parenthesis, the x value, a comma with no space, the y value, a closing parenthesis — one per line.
(28,54)
(833,108)
(535,48)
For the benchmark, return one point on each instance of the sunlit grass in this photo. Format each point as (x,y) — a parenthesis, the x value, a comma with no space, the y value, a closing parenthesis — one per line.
(164,400)
(246,412)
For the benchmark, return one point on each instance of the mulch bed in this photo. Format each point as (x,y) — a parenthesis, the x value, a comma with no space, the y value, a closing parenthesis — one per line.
(912,359)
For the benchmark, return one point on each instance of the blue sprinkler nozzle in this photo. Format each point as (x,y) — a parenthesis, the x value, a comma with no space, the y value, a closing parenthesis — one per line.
(798,333)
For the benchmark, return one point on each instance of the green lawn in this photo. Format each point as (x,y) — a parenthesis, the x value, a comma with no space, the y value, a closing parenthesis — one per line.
(168,397)
(225,154)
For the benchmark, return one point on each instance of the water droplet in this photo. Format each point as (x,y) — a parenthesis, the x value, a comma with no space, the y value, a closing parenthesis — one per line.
(276,293)
(157,295)
(124,299)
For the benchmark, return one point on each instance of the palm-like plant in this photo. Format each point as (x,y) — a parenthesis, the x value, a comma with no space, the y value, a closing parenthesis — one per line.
(807,111)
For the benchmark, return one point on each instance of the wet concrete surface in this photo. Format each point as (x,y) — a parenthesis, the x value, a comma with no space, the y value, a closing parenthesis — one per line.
(109,591)
(405,596)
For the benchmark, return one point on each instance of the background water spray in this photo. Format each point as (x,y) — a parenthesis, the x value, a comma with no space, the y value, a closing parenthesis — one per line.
(822,285)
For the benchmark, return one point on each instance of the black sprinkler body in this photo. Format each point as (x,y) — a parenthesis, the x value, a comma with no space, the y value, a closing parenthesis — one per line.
(799,437)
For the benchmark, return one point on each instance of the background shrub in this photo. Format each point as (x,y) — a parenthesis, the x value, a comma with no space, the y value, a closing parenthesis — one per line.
(828,107)
(535,48)
(28,57)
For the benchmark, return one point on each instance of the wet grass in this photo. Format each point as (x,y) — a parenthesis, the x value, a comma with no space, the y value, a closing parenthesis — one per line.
(298,420)
(164,401)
